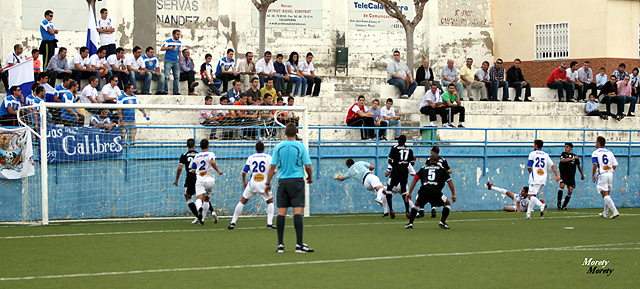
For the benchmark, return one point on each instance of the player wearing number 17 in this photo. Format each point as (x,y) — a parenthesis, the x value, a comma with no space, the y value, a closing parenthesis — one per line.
(538,164)
(604,163)
(256,165)
(204,165)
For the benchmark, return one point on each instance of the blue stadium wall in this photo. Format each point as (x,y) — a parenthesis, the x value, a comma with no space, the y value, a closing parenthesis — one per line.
(144,176)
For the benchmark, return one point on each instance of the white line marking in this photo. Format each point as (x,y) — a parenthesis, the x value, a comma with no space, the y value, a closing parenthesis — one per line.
(575,248)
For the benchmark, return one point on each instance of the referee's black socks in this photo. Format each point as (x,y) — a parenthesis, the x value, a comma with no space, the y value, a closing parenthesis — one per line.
(297,223)
(280,228)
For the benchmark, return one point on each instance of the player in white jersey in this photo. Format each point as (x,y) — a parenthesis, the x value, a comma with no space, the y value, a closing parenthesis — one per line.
(520,201)
(538,164)
(257,164)
(398,190)
(204,166)
(604,164)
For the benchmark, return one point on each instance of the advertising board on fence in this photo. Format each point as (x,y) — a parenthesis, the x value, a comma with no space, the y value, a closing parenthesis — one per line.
(371,16)
(72,144)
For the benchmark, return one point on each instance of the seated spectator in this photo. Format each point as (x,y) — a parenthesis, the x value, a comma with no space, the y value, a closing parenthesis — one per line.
(585,76)
(89,94)
(399,75)
(206,76)
(128,116)
(377,118)
(558,80)
(609,94)
(71,116)
(234,93)
(58,96)
(621,72)
(265,68)
(482,75)
(281,76)
(432,104)
(625,91)
(35,54)
(515,78)
(37,97)
(58,67)
(359,115)
(9,107)
(295,75)
(14,57)
(601,78)
(254,91)
(240,116)
(102,120)
(225,118)
(98,62)
(110,92)
(268,88)
(390,118)
(453,105)
(635,85)
(449,74)
(498,79)
(138,71)
(291,115)
(266,118)
(424,75)
(592,109)
(115,62)
(207,118)
(467,74)
(308,71)
(572,77)
(247,70)
(80,66)
(188,71)
(226,70)
(152,66)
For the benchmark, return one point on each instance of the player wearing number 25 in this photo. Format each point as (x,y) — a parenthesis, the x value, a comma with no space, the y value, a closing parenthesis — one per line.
(538,164)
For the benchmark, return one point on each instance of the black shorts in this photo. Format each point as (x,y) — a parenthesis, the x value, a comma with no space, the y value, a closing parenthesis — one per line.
(569,181)
(290,193)
(430,195)
(398,178)
(190,189)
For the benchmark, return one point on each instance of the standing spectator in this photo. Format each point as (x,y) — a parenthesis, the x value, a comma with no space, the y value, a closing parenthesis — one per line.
(206,75)
(115,62)
(313,82)
(432,104)
(633,80)
(390,118)
(207,118)
(58,67)
(37,65)
(467,74)
(234,93)
(453,105)
(399,75)
(295,75)
(601,78)
(128,116)
(621,72)
(482,75)
(359,115)
(264,68)
(98,63)
(377,118)
(106,29)
(172,46)
(246,70)
(450,75)
(49,42)
(591,107)
(609,94)
(281,76)
(9,107)
(153,66)
(71,116)
(81,68)
(187,71)
(14,57)
(572,77)
(424,75)
(226,70)
(499,79)
(138,71)
(268,88)
(585,76)
(624,91)
(517,81)
(558,80)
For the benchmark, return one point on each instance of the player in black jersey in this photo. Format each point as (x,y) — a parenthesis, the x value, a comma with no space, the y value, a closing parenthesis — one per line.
(190,180)
(444,164)
(400,156)
(432,178)
(568,163)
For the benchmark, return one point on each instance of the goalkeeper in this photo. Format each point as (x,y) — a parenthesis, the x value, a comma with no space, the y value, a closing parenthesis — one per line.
(361,171)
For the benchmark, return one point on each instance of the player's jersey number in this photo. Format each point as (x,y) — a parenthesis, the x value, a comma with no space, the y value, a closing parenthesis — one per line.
(539,163)
(202,170)
(258,167)
(404,155)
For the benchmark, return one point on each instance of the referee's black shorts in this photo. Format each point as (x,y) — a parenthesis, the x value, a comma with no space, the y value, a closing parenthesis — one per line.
(290,193)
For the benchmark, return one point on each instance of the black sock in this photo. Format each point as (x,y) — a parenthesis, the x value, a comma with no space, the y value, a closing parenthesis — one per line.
(445,214)
(193,209)
(566,201)
(406,204)
(280,228)
(412,217)
(297,223)
(559,197)
(390,202)
(210,207)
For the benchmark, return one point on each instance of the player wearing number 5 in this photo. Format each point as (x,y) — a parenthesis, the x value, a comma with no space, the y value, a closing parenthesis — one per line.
(604,163)
(256,165)
(204,165)
(538,164)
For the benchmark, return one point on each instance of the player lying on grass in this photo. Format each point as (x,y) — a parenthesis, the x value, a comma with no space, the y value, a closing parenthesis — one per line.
(397,190)
(520,201)
(257,165)
(432,178)
(361,171)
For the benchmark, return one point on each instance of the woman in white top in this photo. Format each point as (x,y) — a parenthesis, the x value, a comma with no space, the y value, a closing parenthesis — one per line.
(292,69)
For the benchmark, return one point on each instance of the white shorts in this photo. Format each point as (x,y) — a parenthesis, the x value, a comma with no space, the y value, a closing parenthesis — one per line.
(204,188)
(372,181)
(254,188)
(534,189)
(605,182)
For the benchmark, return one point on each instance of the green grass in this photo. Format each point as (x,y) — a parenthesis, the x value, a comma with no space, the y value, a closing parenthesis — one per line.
(482,250)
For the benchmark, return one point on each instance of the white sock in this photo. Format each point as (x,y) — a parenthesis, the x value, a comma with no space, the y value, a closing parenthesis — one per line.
(411,204)
(530,206)
(606,208)
(536,201)
(499,190)
(380,194)
(610,204)
(237,212)
(205,209)
(270,210)
(198,204)
(385,206)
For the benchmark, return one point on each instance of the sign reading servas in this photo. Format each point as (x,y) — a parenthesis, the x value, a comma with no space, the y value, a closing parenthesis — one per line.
(72,144)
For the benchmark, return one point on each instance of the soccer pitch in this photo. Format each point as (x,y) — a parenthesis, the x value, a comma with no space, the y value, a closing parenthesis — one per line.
(489,249)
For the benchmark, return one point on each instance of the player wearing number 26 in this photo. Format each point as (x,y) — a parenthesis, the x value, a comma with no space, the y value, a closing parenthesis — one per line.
(538,164)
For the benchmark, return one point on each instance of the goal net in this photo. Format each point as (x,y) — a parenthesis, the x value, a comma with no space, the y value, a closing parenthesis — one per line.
(104,161)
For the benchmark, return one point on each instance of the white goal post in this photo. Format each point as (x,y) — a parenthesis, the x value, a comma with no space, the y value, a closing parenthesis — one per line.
(163,119)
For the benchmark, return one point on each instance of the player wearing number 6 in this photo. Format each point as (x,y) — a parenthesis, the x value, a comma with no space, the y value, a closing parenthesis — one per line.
(204,165)
(538,164)
(256,165)
(604,163)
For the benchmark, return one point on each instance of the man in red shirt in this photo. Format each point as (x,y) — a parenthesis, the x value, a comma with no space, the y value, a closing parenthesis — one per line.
(558,80)
(359,115)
